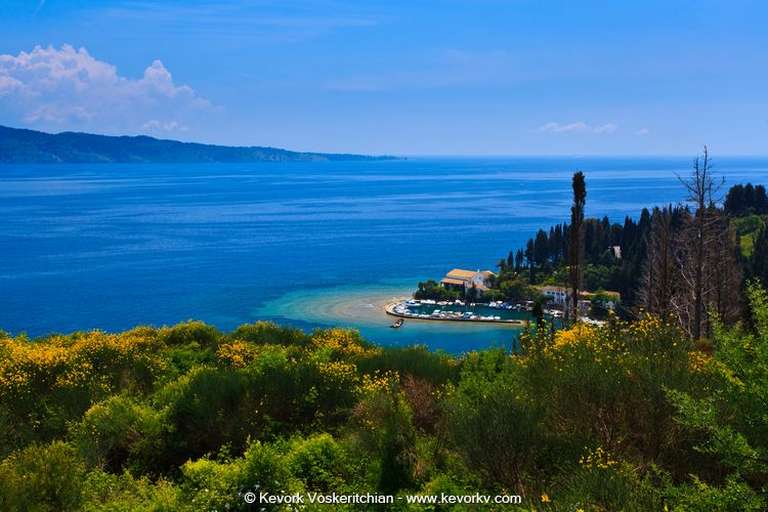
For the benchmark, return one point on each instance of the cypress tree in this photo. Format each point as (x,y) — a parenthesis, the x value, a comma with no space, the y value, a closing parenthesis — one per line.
(576,246)
(759,259)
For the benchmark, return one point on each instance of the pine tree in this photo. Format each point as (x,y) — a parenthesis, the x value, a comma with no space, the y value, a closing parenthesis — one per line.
(660,272)
(519,257)
(541,248)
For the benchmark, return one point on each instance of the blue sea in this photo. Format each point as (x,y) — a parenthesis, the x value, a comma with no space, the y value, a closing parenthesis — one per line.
(310,244)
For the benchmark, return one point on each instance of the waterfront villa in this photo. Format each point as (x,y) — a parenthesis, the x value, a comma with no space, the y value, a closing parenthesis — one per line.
(556,294)
(465,279)
(607,299)
(559,295)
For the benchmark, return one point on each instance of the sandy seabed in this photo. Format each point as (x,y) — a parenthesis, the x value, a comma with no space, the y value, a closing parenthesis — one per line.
(354,306)
(362,308)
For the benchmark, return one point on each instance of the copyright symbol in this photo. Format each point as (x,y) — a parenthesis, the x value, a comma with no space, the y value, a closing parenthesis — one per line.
(249,497)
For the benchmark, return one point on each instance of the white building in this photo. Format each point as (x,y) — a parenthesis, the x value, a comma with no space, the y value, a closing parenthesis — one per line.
(465,279)
(556,294)
(559,296)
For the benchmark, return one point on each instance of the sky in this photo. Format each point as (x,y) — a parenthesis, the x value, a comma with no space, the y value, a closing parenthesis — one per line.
(403,77)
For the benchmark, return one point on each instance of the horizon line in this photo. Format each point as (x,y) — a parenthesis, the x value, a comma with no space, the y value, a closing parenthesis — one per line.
(409,155)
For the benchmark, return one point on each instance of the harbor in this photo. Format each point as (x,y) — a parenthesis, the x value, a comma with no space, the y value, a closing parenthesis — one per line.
(458,311)
(364,308)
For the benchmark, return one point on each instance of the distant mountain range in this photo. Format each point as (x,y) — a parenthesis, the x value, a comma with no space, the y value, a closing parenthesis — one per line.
(30,146)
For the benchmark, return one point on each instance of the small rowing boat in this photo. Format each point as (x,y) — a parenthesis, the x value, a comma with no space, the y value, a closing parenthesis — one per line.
(398,323)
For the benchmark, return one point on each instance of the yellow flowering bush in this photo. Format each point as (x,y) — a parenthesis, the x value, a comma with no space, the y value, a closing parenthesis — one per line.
(603,380)
(338,373)
(43,382)
(377,382)
(597,458)
(237,354)
(578,334)
(60,362)
(342,342)
(698,361)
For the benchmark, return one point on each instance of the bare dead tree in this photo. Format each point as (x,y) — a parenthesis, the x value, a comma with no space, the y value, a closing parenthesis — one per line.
(681,305)
(702,188)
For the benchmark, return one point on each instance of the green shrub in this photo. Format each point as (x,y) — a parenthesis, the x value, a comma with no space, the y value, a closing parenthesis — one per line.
(41,478)
(494,423)
(192,332)
(269,333)
(733,496)
(106,492)
(418,361)
(320,462)
(211,485)
(266,469)
(600,482)
(208,408)
(386,431)
(725,420)
(120,433)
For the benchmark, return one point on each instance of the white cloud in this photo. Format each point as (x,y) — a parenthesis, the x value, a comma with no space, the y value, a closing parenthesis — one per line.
(577,127)
(605,128)
(69,88)
(8,85)
(643,131)
(155,125)
(553,127)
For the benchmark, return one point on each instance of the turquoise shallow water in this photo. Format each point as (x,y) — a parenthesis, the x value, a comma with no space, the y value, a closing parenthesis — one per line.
(363,307)
(308,243)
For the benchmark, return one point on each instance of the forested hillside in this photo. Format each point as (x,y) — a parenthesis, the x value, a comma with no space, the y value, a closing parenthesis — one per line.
(29,146)
(649,259)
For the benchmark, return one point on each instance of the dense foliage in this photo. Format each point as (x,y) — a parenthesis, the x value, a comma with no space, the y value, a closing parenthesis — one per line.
(431,289)
(544,259)
(746,199)
(628,416)
(616,255)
